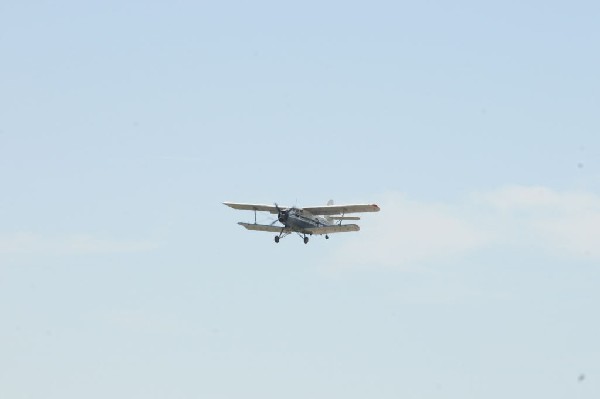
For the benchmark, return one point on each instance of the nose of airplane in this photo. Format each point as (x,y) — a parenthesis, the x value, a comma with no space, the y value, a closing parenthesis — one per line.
(283,216)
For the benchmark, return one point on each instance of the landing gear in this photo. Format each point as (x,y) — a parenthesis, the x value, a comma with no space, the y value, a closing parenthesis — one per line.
(282,234)
(326,237)
(285,233)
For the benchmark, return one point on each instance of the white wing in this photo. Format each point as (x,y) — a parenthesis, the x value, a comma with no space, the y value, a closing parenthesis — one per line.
(313,230)
(344,228)
(263,227)
(315,210)
(254,207)
(342,209)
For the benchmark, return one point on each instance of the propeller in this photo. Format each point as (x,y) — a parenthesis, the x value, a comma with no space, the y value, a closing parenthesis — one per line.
(282,215)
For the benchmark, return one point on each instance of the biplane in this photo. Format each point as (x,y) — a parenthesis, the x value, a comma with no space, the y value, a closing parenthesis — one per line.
(314,220)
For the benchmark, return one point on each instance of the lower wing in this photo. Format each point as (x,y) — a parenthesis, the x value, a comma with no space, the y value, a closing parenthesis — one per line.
(311,230)
(344,228)
(263,227)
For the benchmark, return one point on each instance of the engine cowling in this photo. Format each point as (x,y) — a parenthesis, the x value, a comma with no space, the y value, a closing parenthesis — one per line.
(282,216)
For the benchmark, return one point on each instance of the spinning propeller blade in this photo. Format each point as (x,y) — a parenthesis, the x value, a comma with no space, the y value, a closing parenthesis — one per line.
(282,215)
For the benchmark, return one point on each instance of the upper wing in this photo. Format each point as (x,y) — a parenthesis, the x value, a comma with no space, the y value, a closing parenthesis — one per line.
(332,229)
(254,207)
(341,209)
(315,210)
(262,227)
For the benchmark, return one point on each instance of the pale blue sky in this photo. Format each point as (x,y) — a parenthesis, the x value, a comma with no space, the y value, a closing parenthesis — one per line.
(124,125)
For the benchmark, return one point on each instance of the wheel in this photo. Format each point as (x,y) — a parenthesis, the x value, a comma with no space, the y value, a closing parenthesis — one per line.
(326,237)
(276,238)
(306,240)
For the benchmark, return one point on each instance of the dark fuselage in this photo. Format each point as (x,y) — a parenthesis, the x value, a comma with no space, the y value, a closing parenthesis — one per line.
(298,219)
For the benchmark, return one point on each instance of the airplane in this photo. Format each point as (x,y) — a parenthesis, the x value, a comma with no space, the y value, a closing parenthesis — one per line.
(318,220)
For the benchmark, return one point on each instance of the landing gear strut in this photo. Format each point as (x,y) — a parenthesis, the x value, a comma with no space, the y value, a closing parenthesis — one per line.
(282,234)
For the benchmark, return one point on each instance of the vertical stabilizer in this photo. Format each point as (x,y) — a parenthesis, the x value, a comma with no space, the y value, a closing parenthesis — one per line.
(330,202)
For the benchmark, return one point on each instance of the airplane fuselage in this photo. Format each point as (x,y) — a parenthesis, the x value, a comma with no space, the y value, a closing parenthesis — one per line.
(298,219)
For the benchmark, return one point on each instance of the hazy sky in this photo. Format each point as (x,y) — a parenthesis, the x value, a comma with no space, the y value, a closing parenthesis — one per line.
(474,125)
